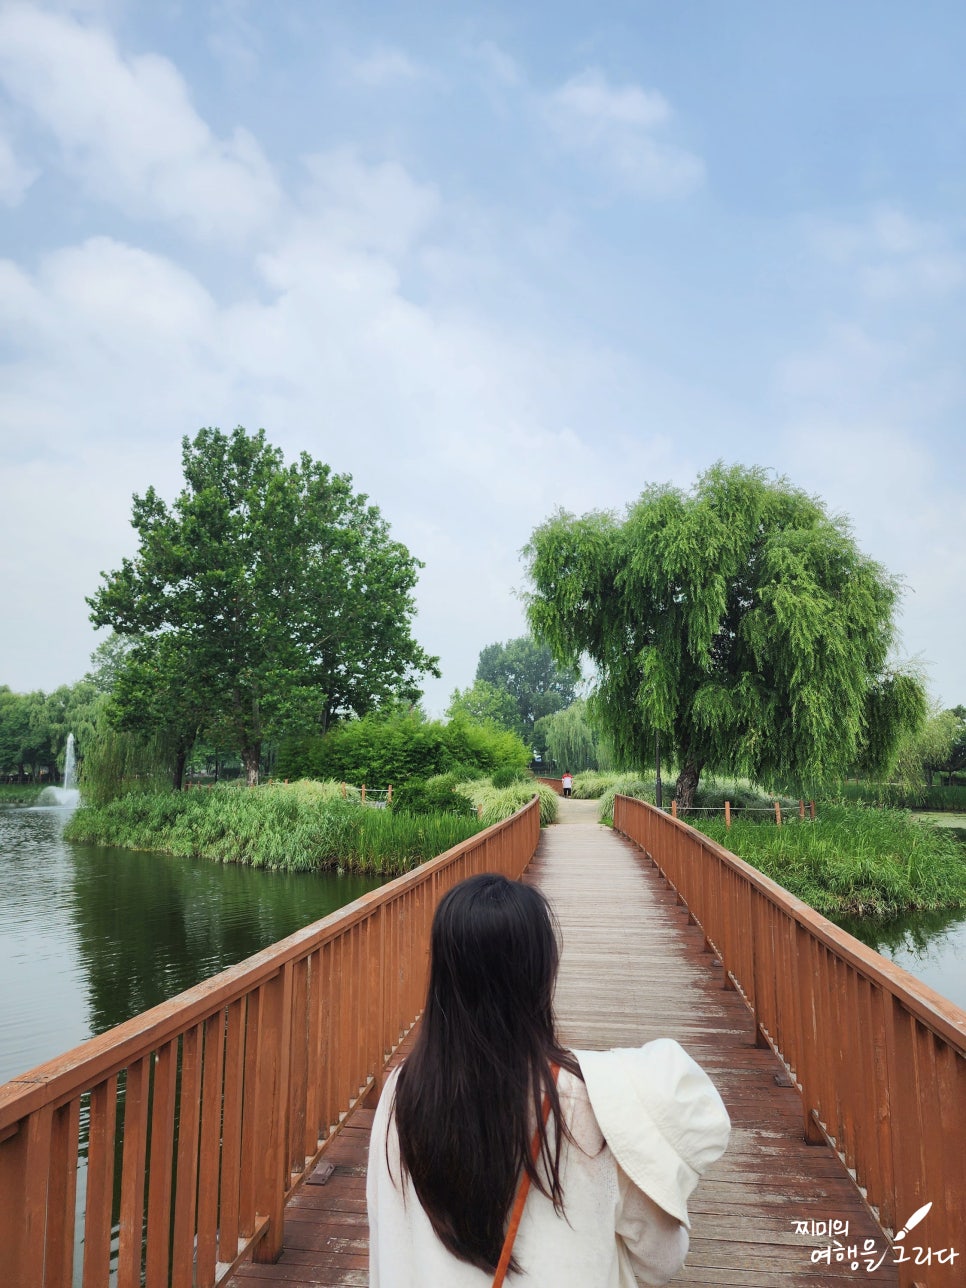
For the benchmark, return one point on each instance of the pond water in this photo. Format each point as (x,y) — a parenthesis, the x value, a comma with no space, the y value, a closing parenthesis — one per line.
(930,945)
(90,936)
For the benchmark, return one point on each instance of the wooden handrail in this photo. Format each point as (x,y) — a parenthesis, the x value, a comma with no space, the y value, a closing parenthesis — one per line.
(879,1056)
(223,1098)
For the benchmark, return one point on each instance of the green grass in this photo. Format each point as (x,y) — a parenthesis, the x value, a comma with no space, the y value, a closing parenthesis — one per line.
(853,860)
(899,797)
(295,827)
(19,793)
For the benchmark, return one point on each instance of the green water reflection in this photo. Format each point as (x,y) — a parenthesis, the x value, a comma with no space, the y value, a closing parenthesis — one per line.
(90,936)
(930,945)
(149,926)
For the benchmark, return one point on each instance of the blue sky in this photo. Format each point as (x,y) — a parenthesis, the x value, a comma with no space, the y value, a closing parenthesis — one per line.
(489,260)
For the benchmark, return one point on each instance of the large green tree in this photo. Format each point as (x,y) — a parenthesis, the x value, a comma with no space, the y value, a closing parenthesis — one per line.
(268,598)
(738,621)
(484,703)
(527,671)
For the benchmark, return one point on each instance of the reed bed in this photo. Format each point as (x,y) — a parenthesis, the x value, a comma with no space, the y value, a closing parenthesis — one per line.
(498,803)
(852,860)
(295,827)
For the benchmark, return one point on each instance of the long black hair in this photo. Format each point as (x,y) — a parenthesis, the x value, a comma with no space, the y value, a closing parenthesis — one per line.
(470,1094)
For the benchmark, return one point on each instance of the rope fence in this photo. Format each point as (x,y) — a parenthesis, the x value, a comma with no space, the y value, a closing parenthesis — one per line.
(806,810)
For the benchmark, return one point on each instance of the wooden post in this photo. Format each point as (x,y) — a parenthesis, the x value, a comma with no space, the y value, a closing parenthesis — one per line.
(674,807)
(479,811)
(728,814)
(801,809)
(343,791)
(811,809)
(778,814)
(389,795)
(363,793)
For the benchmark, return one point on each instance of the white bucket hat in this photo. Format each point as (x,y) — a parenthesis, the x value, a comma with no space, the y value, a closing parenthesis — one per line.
(660,1114)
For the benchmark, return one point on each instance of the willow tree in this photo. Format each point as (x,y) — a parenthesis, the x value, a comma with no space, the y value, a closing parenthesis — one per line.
(739,622)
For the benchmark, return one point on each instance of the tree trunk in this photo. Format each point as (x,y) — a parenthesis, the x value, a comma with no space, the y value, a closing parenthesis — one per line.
(687,783)
(250,758)
(177,777)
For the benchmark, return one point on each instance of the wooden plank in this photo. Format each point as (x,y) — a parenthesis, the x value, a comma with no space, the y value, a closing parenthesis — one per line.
(133,1169)
(100,1183)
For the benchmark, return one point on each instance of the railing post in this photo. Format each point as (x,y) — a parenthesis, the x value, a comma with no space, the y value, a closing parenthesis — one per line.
(728,814)
(270,1161)
(674,807)
(778,814)
(363,793)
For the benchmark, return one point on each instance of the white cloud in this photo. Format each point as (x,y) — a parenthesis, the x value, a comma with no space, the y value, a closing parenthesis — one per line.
(907,514)
(466,431)
(615,126)
(589,98)
(891,255)
(371,206)
(128,129)
(498,65)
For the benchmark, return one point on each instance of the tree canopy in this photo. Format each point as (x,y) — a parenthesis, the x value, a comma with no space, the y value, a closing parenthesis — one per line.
(268,598)
(528,672)
(484,703)
(569,739)
(738,621)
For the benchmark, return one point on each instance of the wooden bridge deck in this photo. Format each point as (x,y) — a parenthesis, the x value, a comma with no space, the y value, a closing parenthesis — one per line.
(634,969)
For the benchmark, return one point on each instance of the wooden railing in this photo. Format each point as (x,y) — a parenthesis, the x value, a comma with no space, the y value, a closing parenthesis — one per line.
(220,1101)
(879,1057)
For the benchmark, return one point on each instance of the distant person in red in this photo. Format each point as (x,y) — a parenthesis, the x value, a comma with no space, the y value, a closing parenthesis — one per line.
(567,782)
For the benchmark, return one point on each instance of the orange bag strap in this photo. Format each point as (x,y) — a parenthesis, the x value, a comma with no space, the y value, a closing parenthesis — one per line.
(523,1190)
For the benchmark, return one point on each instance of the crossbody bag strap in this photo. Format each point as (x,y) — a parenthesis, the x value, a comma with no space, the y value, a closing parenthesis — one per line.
(523,1190)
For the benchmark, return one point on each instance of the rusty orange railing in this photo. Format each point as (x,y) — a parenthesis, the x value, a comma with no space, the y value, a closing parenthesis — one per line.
(223,1098)
(879,1057)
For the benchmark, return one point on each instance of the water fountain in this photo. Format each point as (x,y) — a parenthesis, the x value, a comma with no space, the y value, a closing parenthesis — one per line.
(67,793)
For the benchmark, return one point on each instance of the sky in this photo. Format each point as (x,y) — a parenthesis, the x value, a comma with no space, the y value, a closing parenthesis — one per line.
(490,260)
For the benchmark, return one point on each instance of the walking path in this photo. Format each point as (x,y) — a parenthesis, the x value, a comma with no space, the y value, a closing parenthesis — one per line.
(634,969)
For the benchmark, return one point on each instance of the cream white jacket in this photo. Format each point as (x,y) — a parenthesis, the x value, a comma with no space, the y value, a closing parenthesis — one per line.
(609,1232)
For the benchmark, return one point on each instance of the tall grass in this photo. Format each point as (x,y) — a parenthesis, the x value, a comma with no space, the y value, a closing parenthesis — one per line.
(295,827)
(852,860)
(498,803)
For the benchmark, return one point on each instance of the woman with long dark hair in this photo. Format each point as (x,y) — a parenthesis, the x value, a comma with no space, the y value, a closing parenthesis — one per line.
(493,1142)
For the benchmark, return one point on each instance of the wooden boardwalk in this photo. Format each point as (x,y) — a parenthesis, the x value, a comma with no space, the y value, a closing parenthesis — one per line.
(634,969)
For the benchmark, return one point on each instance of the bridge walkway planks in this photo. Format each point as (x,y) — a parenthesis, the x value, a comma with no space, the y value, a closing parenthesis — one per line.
(634,969)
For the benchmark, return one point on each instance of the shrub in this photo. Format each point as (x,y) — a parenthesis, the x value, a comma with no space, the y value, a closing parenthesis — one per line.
(436,795)
(627,786)
(591,785)
(509,775)
(379,750)
(500,802)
